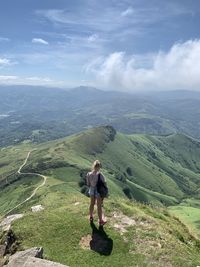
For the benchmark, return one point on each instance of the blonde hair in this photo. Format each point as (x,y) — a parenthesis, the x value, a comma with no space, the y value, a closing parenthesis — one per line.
(96,165)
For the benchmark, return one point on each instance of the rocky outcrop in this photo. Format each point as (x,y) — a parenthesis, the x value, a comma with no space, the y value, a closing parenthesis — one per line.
(8,244)
(31,258)
(6,223)
(2,250)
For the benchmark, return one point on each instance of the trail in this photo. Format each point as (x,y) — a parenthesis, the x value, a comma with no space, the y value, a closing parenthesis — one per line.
(28,173)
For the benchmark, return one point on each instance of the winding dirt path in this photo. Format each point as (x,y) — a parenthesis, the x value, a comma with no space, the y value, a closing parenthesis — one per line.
(29,173)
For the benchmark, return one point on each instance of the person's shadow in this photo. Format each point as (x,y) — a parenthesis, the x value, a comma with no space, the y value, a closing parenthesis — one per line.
(100,242)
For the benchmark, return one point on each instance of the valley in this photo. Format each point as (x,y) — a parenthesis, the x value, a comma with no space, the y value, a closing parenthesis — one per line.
(39,114)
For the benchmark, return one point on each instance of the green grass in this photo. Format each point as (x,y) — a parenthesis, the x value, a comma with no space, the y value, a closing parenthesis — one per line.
(17,192)
(154,169)
(11,158)
(157,171)
(189,216)
(155,238)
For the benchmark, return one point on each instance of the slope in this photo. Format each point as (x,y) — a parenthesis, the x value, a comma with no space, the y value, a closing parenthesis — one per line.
(137,166)
(150,169)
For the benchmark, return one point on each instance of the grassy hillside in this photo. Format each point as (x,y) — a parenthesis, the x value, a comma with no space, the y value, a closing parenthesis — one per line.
(151,169)
(135,235)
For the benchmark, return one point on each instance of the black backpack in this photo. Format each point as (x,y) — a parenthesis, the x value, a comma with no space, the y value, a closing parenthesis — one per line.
(102,189)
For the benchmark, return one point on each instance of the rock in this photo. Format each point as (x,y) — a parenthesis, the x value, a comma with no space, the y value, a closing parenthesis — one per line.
(2,262)
(33,262)
(37,208)
(31,252)
(31,258)
(2,250)
(10,242)
(6,223)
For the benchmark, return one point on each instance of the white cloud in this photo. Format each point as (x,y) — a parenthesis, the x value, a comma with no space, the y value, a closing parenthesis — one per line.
(32,80)
(39,41)
(4,39)
(127,12)
(39,79)
(92,38)
(5,78)
(179,68)
(5,62)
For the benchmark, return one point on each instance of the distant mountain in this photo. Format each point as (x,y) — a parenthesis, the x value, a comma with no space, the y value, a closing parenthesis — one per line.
(39,114)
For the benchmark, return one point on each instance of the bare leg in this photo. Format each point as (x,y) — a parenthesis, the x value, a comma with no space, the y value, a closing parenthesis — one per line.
(99,208)
(92,203)
(102,202)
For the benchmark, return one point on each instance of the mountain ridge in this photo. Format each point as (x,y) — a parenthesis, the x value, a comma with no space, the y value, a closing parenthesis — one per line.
(40,114)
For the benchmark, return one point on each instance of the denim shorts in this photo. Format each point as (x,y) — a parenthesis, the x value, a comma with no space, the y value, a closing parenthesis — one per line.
(93,191)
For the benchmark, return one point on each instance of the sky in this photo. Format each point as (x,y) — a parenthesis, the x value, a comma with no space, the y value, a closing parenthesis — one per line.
(127,45)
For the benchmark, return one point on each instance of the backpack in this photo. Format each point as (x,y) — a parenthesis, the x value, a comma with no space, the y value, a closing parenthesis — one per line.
(102,189)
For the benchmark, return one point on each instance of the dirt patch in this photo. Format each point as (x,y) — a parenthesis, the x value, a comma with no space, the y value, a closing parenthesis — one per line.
(85,242)
(121,222)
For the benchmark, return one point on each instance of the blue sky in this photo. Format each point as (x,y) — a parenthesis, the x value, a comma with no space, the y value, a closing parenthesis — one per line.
(121,45)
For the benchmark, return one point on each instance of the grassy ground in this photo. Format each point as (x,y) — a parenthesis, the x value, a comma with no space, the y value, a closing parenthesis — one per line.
(135,235)
(17,192)
(11,158)
(189,215)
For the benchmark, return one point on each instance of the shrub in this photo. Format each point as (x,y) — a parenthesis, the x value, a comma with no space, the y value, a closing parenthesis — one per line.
(129,171)
(120,177)
(84,190)
(127,192)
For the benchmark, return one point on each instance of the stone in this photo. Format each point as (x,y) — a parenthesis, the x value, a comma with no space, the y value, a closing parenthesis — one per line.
(6,223)
(37,208)
(33,262)
(31,258)
(31,252)
(2,250)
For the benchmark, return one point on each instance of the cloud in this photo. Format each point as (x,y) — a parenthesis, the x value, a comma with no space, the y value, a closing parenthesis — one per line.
(6,78)
(92,38)
(107,26)
(179,68)
(39,41)
(127,12)
(32,80)
(5,62)
(4,39)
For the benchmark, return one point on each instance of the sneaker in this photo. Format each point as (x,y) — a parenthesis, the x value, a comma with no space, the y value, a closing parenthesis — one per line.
(102,222)
(91,219)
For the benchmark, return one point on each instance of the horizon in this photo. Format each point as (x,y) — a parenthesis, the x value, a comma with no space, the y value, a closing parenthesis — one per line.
(131,46)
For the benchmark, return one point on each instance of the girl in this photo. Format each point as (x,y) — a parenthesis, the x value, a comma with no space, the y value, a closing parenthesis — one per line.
(92,179)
